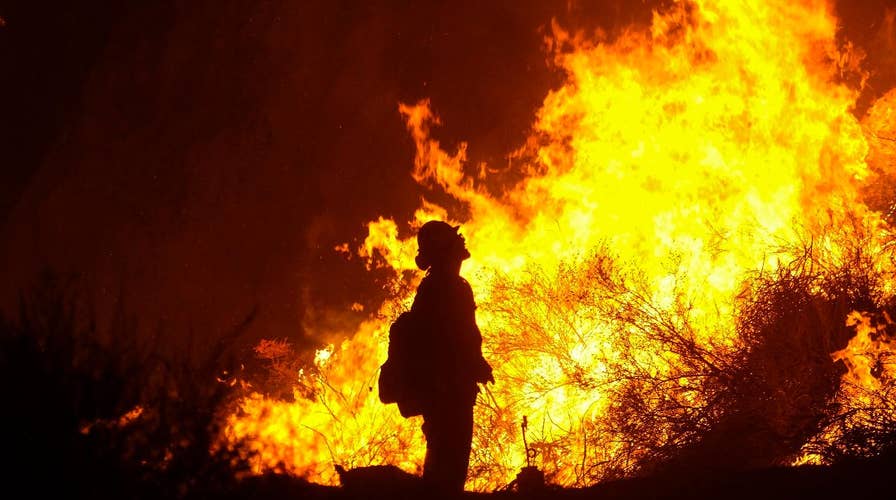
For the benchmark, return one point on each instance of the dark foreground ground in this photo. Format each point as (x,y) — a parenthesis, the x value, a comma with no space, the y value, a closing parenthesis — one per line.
(872,479)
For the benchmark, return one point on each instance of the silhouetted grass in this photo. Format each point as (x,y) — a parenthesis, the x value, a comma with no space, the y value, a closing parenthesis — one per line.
(100,413)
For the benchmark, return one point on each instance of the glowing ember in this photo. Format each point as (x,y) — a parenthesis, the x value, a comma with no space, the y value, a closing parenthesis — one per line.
(122,421)
(670,166)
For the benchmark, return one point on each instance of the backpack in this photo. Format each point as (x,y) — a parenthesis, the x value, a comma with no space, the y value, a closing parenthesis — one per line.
(401,376)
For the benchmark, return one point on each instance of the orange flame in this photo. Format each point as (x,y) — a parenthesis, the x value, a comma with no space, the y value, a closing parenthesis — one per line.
(864,349)
(695,150)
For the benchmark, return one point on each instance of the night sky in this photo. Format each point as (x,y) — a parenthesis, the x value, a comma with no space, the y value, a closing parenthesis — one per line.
(204,158)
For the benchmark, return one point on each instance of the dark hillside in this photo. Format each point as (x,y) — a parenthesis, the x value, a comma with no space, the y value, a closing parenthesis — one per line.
(860,479)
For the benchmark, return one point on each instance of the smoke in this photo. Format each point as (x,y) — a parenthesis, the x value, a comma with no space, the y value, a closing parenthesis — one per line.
(221,151)
(209,156)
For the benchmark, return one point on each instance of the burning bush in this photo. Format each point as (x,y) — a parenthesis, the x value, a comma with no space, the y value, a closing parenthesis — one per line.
(676,395)
(864,423)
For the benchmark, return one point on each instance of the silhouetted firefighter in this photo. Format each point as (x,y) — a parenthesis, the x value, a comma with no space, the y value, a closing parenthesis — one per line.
(435,358)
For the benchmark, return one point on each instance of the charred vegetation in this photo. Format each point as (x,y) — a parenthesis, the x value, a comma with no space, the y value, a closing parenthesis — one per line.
(98,412)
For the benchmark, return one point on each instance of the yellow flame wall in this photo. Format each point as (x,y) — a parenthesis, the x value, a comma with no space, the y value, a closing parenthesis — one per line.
(693,150)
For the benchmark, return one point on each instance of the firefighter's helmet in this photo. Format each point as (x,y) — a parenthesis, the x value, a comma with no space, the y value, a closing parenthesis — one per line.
(434,240)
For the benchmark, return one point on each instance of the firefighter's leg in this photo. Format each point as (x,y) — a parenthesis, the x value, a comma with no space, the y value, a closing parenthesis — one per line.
(449,434)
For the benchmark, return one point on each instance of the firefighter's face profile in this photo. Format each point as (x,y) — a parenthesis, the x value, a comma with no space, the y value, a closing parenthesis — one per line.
(460,245)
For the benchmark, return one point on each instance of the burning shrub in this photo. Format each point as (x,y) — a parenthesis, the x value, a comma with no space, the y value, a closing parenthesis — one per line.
(776,388)
(636,369)
(661,386)
(864,423)
(282,365)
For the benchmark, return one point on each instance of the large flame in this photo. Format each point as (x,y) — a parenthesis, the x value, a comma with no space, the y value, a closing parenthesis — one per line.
(690,155)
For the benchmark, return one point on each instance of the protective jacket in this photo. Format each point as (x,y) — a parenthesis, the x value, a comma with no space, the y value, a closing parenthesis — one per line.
(453,355)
